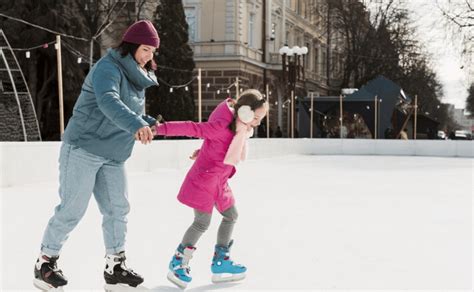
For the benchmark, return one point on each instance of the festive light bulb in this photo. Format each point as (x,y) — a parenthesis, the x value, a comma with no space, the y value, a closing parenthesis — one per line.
(171,89)
(186,88)
(27,54)
(79,60)
(228,90)
(208,85)
(218,91)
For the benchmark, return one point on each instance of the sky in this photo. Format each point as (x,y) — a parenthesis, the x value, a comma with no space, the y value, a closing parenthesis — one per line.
(444,51)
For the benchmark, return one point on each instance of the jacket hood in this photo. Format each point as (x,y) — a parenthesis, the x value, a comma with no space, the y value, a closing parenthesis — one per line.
(139,78)
(222,112)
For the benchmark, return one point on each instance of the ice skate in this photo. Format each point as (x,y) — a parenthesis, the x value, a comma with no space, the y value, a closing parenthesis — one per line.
(178,268)
(117,275)
(223,268)
(47,275)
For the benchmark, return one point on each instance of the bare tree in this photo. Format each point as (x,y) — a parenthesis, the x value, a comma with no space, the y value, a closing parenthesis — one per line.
(459,17)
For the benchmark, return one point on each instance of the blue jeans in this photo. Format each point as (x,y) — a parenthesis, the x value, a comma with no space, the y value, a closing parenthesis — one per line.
(81,174)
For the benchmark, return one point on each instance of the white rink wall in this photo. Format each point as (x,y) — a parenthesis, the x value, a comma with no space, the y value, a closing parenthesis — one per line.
(38,161)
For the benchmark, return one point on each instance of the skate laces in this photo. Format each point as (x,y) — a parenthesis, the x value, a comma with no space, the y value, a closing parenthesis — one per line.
(183,262)
(121,258)
(53,265)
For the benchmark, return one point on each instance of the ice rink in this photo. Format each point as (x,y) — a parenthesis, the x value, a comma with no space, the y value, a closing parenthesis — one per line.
(306,222)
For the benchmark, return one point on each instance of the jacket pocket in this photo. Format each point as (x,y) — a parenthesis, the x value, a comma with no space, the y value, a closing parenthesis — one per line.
(103,127)
(96,126)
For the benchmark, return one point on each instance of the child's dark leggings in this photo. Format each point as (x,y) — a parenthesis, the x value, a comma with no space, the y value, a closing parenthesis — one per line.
(201,224)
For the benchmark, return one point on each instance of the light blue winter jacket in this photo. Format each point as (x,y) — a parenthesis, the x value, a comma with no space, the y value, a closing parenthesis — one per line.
(109,109)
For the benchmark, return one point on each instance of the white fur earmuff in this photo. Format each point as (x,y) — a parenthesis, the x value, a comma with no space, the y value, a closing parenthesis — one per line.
(246,114)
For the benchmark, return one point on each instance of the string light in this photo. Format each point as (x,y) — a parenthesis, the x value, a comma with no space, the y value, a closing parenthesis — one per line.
(171,89)
(27,54)
(186,88)
(208,85)
(79,60)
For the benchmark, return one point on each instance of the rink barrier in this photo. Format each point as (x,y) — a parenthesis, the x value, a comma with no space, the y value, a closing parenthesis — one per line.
(33,162)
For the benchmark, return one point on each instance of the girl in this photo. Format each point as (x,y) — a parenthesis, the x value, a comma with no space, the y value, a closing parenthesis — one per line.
(99,138)
(205,185)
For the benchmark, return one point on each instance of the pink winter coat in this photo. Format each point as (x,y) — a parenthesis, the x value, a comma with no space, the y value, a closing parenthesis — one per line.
(206,184)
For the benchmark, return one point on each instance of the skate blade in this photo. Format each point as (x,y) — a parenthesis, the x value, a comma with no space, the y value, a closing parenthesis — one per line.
(175,280)
(43,286)
(226,277)
(123,288)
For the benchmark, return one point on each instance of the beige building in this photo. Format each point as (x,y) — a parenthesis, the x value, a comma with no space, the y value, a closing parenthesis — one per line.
(242,38)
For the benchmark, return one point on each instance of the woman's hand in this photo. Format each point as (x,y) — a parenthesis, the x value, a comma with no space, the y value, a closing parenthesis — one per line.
(144,135)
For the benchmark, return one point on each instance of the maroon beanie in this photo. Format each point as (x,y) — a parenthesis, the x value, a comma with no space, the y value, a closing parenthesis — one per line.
(142,33)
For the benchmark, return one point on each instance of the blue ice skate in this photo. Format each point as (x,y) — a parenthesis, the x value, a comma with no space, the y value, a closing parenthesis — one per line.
(178,269)
(223,268)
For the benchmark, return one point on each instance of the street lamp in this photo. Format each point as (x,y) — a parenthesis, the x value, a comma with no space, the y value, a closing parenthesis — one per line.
(292,74)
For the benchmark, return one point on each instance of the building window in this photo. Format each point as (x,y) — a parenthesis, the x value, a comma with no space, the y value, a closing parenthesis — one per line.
(273,33)
(315,59)
(251,29)
(307,57)
(190,13)
(324,67)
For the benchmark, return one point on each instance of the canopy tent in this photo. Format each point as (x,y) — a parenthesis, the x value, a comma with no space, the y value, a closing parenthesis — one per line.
(362,102)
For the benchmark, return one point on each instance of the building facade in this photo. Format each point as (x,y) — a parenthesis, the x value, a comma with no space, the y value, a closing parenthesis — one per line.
(241,39)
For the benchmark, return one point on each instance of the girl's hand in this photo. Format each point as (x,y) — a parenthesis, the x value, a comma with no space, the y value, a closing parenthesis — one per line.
(195,154)
(154,129)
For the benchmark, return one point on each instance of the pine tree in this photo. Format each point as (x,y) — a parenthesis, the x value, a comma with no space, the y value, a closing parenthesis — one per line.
(470,100)
(40,69)
(175,64)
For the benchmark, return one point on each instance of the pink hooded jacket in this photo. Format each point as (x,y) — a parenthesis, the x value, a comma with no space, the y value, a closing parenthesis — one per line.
(206,184)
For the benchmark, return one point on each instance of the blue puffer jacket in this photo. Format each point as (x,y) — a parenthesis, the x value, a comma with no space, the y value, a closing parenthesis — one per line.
(109,109)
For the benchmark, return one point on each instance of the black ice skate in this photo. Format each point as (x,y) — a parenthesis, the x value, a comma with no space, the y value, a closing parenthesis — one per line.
(116,272)
(47,275)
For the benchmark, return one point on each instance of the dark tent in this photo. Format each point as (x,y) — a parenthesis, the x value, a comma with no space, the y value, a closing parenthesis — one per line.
(362,103)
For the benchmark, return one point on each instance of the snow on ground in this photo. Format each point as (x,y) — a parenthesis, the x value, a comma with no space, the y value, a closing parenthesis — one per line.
(306,222)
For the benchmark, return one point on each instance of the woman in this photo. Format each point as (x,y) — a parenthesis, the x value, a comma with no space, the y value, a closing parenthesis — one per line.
(99,138)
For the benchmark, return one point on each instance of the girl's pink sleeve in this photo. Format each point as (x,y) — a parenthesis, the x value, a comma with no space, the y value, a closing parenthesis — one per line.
(206,130)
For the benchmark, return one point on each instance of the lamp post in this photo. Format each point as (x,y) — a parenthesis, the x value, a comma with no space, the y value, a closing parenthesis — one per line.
(293,71)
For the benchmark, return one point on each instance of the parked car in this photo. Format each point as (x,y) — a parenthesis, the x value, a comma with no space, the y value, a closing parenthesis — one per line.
(442,135)
(462,135)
